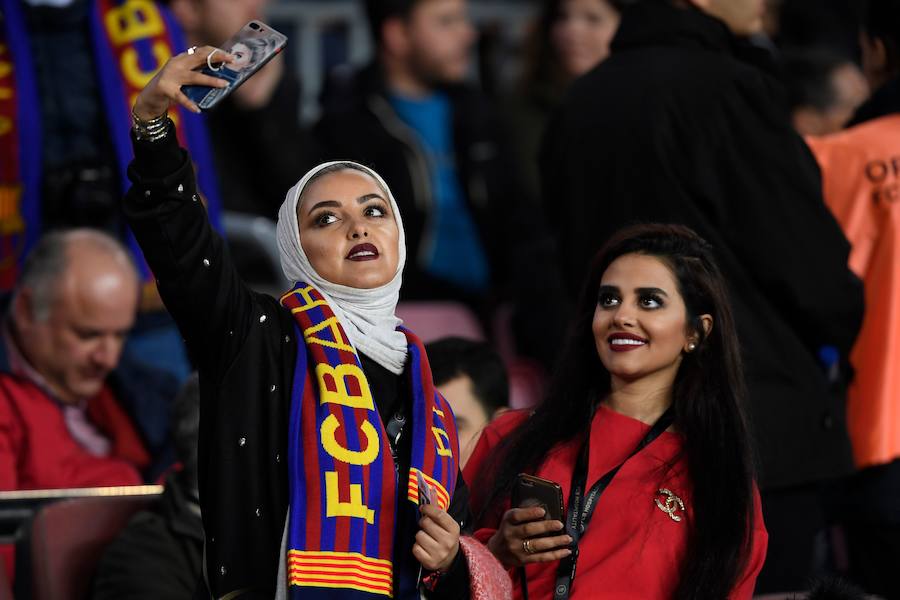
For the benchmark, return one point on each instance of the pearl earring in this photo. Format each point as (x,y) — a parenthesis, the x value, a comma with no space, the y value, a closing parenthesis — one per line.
(692,346)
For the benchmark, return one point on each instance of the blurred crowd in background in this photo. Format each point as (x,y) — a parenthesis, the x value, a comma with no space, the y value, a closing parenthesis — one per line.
(516,137)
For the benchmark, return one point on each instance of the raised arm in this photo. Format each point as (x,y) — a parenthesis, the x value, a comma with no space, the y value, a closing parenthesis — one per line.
(194,274)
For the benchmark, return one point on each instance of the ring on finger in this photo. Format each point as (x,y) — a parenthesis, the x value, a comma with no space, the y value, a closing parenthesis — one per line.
(191,50)
(526,546)
(209,61)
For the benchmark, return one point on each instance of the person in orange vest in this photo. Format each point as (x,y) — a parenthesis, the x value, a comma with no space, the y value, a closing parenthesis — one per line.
(861,182)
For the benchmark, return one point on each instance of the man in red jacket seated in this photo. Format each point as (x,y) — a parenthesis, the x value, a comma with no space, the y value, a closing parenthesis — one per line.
(62,421)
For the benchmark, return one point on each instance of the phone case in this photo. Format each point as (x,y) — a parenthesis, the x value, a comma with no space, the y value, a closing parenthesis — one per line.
(253,46)
(534,491)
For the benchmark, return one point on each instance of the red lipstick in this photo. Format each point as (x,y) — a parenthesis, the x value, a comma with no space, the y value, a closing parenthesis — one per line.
(625,342)
(362,252)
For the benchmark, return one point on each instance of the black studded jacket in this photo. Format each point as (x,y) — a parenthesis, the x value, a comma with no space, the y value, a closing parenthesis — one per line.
(243,345)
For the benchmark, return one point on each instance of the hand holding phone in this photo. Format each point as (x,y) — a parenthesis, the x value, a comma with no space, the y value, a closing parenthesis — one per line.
(533,491)
(533,530)
(437,541)
(426,493)
(250,48)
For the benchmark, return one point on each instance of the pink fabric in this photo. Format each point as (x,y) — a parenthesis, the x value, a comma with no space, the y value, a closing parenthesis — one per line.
(489,580)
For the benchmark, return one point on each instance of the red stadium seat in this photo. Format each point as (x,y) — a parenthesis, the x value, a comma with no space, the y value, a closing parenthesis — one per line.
(69,537)
(5,589)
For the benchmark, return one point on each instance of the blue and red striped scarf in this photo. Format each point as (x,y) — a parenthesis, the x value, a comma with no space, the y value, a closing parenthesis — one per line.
(343,486)
(132,40)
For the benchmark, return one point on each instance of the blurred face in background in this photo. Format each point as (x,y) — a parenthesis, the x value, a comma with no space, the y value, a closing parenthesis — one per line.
(438,38)
(849,90)
(76,346)
(471,416)
(743,17)
(582,33)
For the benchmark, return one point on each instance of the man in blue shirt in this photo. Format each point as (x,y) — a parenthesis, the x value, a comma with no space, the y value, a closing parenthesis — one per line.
(474,236)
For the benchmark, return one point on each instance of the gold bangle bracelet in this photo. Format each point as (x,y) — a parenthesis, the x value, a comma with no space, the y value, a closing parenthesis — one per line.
(152,130)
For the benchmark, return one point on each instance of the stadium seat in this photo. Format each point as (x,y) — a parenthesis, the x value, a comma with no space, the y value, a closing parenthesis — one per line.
(5,589)
(68,538)
(435,320)
(253,244)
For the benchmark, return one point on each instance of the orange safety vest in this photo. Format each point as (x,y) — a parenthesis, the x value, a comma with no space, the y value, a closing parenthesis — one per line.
(861,184)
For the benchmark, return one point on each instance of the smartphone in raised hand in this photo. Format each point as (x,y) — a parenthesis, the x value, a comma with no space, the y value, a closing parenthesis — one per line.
(252,47)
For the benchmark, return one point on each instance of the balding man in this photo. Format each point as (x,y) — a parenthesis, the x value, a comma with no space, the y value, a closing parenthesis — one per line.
(72,414)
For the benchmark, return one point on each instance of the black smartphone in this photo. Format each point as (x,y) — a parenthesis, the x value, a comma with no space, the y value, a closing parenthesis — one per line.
(253,46)
(531,491)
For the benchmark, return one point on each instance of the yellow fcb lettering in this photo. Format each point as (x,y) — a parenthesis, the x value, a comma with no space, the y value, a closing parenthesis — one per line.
(353,457)
(342,394)
(10,207)
(443,441)
(332,325)
(6,91)
(136,76)
(5,125)
(354,508)
(133,20)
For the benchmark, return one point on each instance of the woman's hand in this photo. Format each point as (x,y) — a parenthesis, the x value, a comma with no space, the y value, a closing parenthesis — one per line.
(437,542)
(165,87)
(521,524)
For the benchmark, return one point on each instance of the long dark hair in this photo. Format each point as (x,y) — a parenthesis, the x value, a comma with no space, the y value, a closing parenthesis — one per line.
(707,399)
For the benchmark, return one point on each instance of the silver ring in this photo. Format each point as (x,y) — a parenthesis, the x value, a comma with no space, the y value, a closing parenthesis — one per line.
(209,61)
(526,546)
(191,50)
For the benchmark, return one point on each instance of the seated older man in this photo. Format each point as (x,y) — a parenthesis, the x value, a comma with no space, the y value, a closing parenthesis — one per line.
(71,413)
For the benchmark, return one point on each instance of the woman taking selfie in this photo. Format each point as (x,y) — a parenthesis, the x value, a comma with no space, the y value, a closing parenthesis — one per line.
(643,421)
(319,421)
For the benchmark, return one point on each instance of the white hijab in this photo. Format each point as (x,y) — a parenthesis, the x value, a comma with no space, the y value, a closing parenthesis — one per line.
(367,315)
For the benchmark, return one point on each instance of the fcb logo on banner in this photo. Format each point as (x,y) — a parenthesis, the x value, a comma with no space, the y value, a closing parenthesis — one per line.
(131,41)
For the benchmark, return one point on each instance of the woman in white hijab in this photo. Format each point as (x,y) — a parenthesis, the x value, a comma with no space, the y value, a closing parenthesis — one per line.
(328,463)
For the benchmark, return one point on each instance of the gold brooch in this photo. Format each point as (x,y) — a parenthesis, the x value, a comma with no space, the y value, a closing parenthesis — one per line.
(672,505)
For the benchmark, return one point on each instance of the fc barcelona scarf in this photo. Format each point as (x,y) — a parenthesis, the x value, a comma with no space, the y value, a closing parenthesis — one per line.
(132,40)
(343,486)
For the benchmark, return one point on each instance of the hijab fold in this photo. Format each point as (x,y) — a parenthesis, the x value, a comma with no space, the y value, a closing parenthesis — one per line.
(367,315)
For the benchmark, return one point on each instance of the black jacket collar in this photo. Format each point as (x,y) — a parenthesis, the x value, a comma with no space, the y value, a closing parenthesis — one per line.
(885,101)
(659,23)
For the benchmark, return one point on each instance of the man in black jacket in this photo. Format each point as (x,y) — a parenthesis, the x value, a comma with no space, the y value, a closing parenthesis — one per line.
(683,124)
(472,234)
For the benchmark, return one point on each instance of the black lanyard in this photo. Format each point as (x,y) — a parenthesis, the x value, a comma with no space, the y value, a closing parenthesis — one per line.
(581,506)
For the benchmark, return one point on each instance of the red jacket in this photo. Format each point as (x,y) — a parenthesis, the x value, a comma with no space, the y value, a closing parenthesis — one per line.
(631,549)
(37,451)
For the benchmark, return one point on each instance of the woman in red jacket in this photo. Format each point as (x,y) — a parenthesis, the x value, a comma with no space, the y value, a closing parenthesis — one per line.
(644,421)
